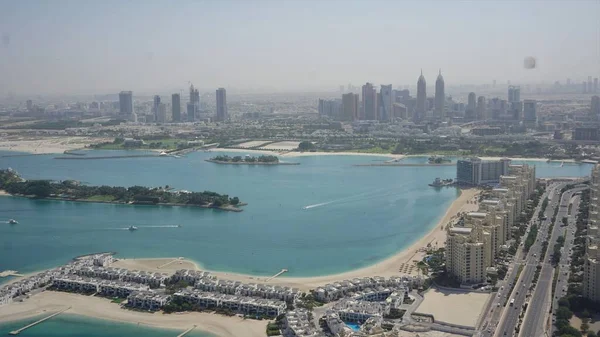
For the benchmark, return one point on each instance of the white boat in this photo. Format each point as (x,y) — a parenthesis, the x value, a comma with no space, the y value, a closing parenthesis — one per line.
(13,222)
(163,153)
(133,228)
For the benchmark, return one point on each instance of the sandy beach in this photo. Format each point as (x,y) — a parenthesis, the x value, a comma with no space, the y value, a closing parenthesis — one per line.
(47,145)
(388,267)
(49,301)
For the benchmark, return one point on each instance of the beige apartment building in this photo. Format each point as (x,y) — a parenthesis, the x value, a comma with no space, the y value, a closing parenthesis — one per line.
(591,265)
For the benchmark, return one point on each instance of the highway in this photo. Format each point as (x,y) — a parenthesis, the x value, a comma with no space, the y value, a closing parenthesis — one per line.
(539,304)
(512,312)
(565,258)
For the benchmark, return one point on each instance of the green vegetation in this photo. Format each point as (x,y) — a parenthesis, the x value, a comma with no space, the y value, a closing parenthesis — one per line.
(72,190)
(394,314)
(172,288)
(273,329)
(161,142)
(247,159)
(557,247)
(117,300)
(531,237)
(306,146)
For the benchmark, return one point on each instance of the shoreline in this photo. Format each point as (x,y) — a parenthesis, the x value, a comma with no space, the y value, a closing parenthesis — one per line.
(387,267)
(47,302)
(220,162)
(228,208)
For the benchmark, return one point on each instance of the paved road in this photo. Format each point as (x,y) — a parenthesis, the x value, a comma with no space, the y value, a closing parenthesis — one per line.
(511,313)
(539,304)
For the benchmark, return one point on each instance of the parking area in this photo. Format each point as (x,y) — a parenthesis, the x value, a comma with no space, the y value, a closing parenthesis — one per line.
(453,306)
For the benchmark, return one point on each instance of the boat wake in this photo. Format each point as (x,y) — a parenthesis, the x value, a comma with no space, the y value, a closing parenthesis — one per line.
(378,193)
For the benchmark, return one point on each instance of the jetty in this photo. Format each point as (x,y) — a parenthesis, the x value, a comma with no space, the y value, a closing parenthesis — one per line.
(16,332)
(168,263)
(8,273)
(110,157)
(274,276)
(186,331)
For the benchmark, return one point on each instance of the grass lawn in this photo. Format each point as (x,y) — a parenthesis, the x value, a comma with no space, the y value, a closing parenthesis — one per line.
(101,198)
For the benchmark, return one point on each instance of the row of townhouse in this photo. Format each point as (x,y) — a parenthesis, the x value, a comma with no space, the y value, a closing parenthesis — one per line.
(23,286)
(250,289)
(336,325)
(298,323)
(240,304)
(378,294)
(110,288)
(154,280)
(337,290)
(191,276)
(147,300)
(360,311)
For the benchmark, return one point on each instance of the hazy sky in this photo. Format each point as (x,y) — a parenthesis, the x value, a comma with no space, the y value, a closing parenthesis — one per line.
(83,46)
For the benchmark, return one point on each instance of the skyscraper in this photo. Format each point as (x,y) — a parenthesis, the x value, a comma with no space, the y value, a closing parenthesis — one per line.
(530,112)
(126,102)
(440,97)
(155,107)
(161,114)
(596,84)
(369,102)
(514,93)
(29,105)
(471,105)
(595,108)
(350,107)
(421,97)
(386,100)
(481,113)
(584,87)
(221,104)
(176,107)
(589,84)
(193,106)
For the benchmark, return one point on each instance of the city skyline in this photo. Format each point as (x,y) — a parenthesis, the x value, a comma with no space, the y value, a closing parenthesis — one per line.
(78,57)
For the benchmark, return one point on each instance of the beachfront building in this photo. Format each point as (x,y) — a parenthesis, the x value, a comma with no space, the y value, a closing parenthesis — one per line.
(147,300)
(191,276)
(239,304)
(334,291)
(248,289)
(475,172)
(74,283)
(119,288)
(466,254)
(359,311)
(591,259)
(474,246)
(154,280)
(297,323)
(336,325)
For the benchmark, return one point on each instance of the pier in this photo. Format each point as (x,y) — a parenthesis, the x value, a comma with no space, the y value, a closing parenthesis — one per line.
(7,273)
(186,331)
(168,263)
(16,332)
(274,276)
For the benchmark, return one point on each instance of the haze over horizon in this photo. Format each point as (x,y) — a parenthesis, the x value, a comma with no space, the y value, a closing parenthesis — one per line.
(73,47)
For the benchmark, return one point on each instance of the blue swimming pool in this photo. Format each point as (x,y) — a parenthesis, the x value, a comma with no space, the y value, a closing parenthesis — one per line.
(353,326)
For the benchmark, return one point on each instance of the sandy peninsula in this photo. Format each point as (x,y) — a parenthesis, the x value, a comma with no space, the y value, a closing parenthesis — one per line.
(49,301)
(47,145)
(398,264)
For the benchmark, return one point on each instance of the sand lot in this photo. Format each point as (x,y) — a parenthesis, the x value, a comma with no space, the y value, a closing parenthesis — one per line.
(282,146)
(454,307)
(253,143)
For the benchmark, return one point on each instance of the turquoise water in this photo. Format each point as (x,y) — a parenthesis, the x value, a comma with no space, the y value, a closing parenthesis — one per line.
(353,326)
(78,326)
(321,217)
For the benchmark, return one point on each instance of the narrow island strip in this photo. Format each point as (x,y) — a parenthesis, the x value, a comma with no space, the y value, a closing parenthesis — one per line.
(248,160)
(70,190)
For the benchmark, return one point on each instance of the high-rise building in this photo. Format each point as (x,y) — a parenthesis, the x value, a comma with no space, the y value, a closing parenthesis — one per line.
(155,107)
(126,102)
(29,105)
(369,102)
(193,107)
(596,84)
(591,259)
(529,112)
(584,87)
(595,108)
(471,106)
(514,93)
(440,96)
(350,107)
(161,114)
(386,100)
(421,97)
(590,86)
(221,104)
(481,108)
(176,107)
(474,171)
(330,108)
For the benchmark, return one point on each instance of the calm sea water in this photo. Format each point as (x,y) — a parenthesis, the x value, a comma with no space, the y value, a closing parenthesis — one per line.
(321,217)
(78,326)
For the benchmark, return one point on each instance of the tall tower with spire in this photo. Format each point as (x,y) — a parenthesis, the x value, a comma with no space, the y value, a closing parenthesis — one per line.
(421,97)
(440,96)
